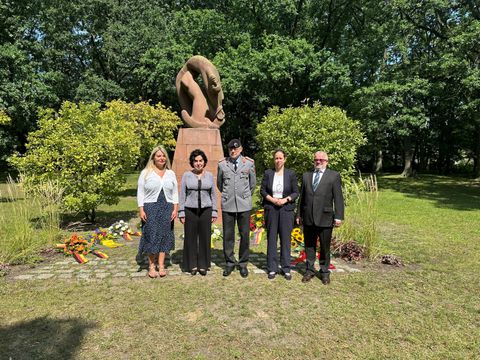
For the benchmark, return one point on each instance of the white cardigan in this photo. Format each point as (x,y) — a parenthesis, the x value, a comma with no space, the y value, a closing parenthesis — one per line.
(150,186)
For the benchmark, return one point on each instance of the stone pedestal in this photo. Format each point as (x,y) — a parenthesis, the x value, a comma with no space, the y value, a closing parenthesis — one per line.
(207,140)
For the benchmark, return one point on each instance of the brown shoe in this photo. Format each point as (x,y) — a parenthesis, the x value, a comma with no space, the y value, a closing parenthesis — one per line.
(307,277)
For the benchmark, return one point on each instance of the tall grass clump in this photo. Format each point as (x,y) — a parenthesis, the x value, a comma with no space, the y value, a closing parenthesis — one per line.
(28,221)
(361,218)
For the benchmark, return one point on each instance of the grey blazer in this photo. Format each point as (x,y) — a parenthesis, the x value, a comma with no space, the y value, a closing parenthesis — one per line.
(189,192)
(321,207)
(236,186)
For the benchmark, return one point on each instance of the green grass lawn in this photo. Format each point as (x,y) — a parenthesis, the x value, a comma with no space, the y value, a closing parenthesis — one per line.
(429,309)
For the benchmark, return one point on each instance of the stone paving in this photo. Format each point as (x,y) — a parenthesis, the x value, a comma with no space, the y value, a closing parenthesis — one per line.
(98,269)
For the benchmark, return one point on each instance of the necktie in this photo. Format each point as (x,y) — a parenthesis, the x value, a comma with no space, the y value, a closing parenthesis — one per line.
(235,165)
(316,180)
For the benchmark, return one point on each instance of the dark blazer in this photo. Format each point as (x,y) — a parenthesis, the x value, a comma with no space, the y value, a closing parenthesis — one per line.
(321,207)
(290,188)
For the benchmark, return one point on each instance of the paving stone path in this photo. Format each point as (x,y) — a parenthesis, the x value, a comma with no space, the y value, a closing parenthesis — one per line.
(97,269)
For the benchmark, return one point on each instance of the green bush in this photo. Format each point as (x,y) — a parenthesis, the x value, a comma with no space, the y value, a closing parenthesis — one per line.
(302,131)
(89,149)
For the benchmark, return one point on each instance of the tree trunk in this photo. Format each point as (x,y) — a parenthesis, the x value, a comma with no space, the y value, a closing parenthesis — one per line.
(476,154)
(408,158)
(378,165)
(90,215)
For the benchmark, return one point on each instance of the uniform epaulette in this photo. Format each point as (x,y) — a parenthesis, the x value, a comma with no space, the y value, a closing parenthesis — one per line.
(249,159)
(222,160)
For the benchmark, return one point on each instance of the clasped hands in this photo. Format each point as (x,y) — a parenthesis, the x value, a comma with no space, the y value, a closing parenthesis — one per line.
(279,202)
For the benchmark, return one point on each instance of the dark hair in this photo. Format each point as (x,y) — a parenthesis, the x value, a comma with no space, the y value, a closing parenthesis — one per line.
(196,153)
(279,150)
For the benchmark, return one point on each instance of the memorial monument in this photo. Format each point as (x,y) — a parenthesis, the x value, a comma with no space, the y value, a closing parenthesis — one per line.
(200,96)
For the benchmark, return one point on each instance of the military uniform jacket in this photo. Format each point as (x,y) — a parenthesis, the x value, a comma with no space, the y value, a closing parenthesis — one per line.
(322,206)
(236,186)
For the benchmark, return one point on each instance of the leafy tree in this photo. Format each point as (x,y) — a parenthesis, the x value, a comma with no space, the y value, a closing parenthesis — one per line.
(278,72)
(390,110)
(303,130)
(89,149)
(269,53)
(155,124)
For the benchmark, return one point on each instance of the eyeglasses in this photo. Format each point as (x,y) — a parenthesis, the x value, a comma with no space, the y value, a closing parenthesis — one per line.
(321,160)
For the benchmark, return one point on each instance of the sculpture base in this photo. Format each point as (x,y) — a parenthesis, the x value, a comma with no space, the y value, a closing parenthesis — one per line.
(210,142)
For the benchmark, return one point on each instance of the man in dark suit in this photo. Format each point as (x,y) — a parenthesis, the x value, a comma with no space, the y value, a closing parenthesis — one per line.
(320,208)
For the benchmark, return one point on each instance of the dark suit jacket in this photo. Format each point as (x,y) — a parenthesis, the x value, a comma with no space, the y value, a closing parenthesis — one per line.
(290,188)
(321,207)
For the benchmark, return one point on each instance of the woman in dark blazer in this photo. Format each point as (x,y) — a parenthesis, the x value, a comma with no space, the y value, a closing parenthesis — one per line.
(279,191)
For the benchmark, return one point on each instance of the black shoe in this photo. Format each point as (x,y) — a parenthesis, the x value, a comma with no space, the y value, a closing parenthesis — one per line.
(307,277)
(243,272)
(202,272)
(286,275)
(193,272)
(325,278)
(271,275)
(227,271)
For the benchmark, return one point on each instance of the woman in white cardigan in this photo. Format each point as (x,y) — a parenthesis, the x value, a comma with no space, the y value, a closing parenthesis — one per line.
(157,197)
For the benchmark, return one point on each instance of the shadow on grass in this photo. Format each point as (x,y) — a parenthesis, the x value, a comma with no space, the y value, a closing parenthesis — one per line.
(103,219)
(177,258)
(128,192)
(43,338)
(8,200)
(446,192)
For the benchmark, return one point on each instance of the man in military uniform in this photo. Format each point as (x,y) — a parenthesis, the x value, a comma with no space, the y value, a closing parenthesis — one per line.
(236,181)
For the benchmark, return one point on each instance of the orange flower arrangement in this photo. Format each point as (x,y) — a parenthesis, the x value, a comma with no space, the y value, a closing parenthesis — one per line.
(76,244)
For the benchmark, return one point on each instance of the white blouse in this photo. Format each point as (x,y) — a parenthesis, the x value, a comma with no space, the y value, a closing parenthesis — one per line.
(277,186)
(150,186)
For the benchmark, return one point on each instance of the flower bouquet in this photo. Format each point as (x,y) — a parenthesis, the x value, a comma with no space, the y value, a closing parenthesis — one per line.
(121,229)
(257,226)
(78,247)
(104,237)
(216,235)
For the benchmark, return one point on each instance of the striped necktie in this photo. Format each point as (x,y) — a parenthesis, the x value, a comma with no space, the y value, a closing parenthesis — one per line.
(316,179)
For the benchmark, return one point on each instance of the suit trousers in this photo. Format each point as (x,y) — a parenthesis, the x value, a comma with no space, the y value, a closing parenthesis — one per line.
(243,221)
(310,234)
(197,243)
(279,222)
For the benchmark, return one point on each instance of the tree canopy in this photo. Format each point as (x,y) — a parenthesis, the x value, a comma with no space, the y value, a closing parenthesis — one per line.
(408,71)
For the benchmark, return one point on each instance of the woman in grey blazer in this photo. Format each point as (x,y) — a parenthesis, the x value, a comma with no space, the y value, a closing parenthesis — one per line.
(197,211)
(279,191)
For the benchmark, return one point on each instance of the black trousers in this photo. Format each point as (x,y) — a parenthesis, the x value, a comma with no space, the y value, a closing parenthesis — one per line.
(310,235)
(279,222)
(243,221)
(197,243)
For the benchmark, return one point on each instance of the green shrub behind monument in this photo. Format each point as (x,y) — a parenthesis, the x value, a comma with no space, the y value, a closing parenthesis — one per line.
(89,149)
(303,130)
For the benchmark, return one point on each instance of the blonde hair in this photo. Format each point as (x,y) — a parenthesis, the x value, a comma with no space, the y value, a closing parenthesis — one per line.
(151,165)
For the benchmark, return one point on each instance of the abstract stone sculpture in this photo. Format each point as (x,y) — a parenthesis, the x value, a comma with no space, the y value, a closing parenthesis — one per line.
(201,105)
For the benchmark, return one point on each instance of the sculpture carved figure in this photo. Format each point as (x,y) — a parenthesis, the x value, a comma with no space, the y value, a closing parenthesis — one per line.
(201,106)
